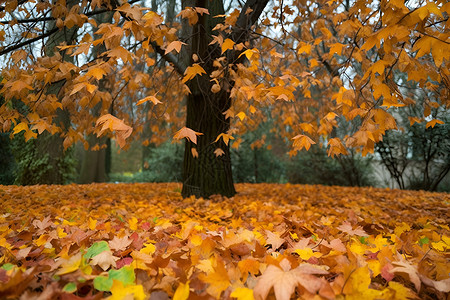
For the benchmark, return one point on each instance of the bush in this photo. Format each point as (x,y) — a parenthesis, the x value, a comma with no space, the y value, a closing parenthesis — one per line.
(315,167)
(164,165)
(33,166)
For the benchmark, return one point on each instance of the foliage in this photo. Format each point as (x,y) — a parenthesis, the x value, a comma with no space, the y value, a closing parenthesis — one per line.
(144,240)
(315,167)
(306,66)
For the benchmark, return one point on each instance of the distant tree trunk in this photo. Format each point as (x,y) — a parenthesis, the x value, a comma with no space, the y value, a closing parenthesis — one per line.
(94,164)
(93,168)
(46,144)
(147,133)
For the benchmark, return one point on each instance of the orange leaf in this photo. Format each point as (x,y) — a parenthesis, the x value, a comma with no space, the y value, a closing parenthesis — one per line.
(175,45)
(219,152)
(433,123)
(149,98)
(302,141)
(193,71)
(225,137)
(194,152)
(96,72)
(227,44)
(123,131)
(187,133)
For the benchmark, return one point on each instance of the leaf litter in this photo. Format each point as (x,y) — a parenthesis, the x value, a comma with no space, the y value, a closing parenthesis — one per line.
(125,241)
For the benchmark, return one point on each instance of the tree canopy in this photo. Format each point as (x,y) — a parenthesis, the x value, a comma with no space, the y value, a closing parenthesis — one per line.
(333,73)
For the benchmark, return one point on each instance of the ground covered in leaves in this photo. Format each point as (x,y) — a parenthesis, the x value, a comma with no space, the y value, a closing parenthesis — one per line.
(142,241)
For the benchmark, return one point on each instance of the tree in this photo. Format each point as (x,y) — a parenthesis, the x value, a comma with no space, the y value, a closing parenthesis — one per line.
(307,66)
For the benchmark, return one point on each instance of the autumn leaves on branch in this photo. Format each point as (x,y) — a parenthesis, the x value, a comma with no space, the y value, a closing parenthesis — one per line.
(310,69)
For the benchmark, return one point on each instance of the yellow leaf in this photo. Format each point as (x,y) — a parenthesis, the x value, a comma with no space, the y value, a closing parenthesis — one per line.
(218,280)
(249,53)
(133,223)
(307,253)
(193,71)
(61,232)
(20,85)
(182,292)
(243,294)
(330,116)
(227,44)
(19,127)
(241,115)
(284,280)
(92,223)
(336,147)
(187,133)
(201,10)
(148,249)
(336,48)
(70,265)
(370,42)
(120,292)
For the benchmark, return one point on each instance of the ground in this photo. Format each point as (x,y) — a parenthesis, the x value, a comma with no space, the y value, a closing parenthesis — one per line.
(270,240)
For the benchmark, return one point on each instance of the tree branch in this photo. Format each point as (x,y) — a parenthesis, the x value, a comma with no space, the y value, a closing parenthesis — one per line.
(30,41)
(169,57)
(246,20)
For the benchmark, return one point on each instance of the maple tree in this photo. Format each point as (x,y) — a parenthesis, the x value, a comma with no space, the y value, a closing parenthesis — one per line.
(271,241)
(332,74)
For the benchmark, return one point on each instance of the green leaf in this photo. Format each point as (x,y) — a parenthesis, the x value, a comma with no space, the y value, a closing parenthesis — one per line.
(70,287)
(424,241)
(103,283)
(124,274)
(363,239)
(96,249)
(8,266)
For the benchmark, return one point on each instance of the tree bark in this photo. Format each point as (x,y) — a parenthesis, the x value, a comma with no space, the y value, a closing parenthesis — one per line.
(207,174)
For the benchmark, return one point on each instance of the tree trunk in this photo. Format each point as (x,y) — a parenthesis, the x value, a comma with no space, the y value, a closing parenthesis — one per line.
(205,172)
(47,144)
(93,167)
